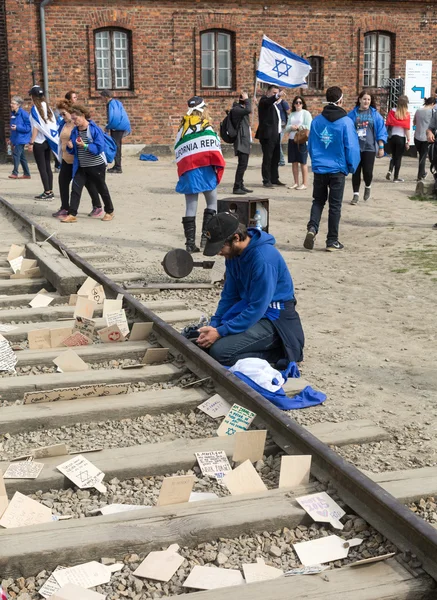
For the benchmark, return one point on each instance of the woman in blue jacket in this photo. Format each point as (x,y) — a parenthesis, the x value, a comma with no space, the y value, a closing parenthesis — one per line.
(372,134)
(21,132)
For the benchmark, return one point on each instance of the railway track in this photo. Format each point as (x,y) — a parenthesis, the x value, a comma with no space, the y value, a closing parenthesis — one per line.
(154,430)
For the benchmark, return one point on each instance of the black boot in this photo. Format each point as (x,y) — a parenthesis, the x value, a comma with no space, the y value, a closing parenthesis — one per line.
(189,224)
(208,214)
(239,191)
(245,189)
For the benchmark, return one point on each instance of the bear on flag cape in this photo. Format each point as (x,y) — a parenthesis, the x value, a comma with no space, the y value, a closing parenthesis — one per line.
(281,67)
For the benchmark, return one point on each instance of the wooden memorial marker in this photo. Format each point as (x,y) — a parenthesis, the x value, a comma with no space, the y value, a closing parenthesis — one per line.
(176,490)
(140,331)
(39,339)
(73,299)
(91,390)
(87,286)
(23,511)
(76,339)
(47,451)
(249,445)
(295,471)
(155,355)
(213,463)
(237,419)
(110,306)
(111,334)
(322,508)
(212,578)
(84,308)
(97,295)
(259,571)
(15,252)
(215,407)
(244,480)
(69,362)
(325,549)
(161,565)
(83,473)
(41,300)
(57,336)
(75,592)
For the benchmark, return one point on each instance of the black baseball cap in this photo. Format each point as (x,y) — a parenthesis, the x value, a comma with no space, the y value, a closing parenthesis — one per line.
(195,101)
(36,90)
(220,227)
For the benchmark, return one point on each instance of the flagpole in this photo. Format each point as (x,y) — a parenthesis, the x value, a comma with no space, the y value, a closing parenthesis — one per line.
(254,92)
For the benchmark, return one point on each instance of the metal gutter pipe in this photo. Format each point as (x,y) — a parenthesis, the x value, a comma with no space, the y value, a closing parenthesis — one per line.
(45,70)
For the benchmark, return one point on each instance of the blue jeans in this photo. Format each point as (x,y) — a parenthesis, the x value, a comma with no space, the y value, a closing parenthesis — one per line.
(259,341)
(327,187)
(20,158)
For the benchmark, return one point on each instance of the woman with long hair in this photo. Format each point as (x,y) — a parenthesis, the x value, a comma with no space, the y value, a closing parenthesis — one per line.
(299,118)
(422,119)
(20,136)
(200,168)
(44,139)
(372,134)
(398,119)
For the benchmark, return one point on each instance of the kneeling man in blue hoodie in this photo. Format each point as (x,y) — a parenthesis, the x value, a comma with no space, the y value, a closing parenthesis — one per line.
(256,316)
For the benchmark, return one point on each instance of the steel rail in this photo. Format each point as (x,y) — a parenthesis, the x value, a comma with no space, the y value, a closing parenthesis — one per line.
(370,501)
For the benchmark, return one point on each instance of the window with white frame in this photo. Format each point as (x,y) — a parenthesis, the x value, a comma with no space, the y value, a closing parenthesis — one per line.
(216,59)
(112,47)
(377,58)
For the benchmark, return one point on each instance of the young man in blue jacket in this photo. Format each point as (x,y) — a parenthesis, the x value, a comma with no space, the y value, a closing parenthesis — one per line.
(256,316)
(21,132)
(118,125)
(335,152)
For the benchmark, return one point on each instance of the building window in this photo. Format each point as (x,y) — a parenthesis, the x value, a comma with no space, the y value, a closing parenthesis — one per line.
(216,59)
(113,59)
(377,58)
(316,76)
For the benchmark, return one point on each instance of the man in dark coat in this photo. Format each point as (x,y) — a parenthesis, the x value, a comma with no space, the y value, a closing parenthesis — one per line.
(240,120)
(269,134)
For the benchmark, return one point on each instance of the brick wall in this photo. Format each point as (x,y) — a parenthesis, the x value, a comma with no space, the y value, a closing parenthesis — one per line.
(166,48)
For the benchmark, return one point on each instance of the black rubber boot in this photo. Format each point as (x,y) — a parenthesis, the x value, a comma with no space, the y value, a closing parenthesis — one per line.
(208,214)
(189,224)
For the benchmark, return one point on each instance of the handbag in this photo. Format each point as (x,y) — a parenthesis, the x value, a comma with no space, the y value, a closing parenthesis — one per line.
(301,136)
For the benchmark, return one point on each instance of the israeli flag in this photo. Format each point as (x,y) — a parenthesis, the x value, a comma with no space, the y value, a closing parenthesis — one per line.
(279,66)
(49,131)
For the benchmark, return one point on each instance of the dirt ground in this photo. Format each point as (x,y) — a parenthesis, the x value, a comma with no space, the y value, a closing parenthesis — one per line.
(369,312)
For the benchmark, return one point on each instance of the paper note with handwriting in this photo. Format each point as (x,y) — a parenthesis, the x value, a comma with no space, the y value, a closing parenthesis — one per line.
(82,473)
(51,585)
(80,391)
(325,549)
(76,339)
(160,565)
(86,575)
(16,263)
(85,326)
(214,463)
(46,451)
(215,407)
(8,358)
(23,511)
(237,419)
(111,306)
(322,508)
(111,334)
(39,339)
(118,318)
(175,490)
(27,469)
(97,294)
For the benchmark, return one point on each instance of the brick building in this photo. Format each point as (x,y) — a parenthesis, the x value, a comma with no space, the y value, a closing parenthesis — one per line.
(155,54)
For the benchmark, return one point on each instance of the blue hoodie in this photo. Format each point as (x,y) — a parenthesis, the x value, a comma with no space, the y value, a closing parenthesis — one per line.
(333,142)
(97,146)
(379,127)
(23,131)
(117,117)
(254,279)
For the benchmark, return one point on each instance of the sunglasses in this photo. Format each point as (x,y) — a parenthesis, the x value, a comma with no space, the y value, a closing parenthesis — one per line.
(298,102)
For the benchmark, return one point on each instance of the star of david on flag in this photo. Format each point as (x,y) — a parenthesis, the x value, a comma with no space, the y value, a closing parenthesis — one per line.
(279,66)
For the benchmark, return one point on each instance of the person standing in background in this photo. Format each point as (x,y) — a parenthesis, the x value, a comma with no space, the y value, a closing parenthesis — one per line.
(118,125)
(72,96)
(21,132)
(299,117)
(398,119)
(239,116)
(284,111)
(422,119)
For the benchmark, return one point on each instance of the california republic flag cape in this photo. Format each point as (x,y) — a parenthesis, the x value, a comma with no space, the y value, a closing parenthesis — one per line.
(198,145)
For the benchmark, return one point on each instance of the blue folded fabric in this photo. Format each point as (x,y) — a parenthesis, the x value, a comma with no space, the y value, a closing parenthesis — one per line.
(307,397)
(151,157)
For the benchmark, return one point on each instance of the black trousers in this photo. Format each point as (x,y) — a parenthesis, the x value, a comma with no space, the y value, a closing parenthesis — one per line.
(65,177)
(397,150)
(243,161)
(117,137)
(366,165)
(93,175)
(42,153)
(422,149)
(271,157)
(327,186)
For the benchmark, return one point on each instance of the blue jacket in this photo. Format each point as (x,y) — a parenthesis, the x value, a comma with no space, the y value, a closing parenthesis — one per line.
(378,124)
(23,132)
(97,146)
(117,117)
(254,279)
(333,142)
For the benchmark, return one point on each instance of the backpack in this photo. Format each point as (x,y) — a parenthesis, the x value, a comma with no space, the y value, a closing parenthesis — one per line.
(228,133)
(110,148)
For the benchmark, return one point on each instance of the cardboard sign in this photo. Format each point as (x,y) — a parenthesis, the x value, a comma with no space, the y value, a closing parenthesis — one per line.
(47,451)
(27,469)
(39,339)
(213,464)
(111,306)
(15,252)
(295,471)
(215,407)
(155,355)
(237,419)
(324,550)
(88,285)
(23,511)
(244,480)
(30,274)
(28,264)
(82,473)
(259,571)
(212,578)
(84,308)
(16,264)
(249,445)
(74,592)
(160,566)
(3,496)
(41,300)
(80,391)
(118,318)
(111,334)
(175,490)
(201,496)
(8,358)
(51,585)
(322,508)
(85,326)
(76,339)
(86,575)
(69,361)
(140,332)
(57,336)
(97,295)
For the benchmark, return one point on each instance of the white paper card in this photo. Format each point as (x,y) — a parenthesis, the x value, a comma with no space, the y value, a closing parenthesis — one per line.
(75,592)
(97,294)
(322,508)
(212,578)
(16,263)
(214,463)
(324,550)
(86,575)
(112,509)
(27,469)
(8,358)
(6,328)
(118,318)
(200,496)
(82,472)
(215,407)
(237,419)
(84,308)
(88,285)
(70,362)
(41,300)
(259,571)
(110,306)
(162,565)
(23,511)
(51,585)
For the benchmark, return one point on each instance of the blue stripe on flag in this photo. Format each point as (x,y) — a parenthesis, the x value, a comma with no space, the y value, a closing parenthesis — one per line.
(281,50)
(280,83)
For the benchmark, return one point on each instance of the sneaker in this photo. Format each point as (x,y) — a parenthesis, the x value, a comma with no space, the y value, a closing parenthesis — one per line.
(268,185)
(388,176)
(367,191)
(293,187)
(278,182)
(60,214)
(355,199)
(245,189)
(96,213)
(309,239)
(114,170)
(108,217)
(25,177)
(333,246)
(13,176)
(301,187)
(398,180)
(45,196)
(239,191)
(282,164)
(69,219)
